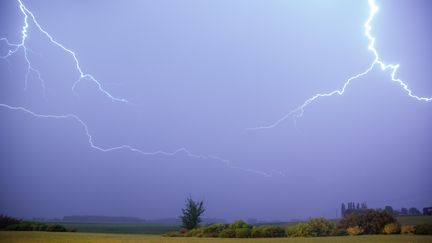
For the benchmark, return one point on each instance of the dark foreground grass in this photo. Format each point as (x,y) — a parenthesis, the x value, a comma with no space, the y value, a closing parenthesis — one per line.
(51,237)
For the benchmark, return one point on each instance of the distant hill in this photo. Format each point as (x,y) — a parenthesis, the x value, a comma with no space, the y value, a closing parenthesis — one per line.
(102,219)
(132,220)
(177,221)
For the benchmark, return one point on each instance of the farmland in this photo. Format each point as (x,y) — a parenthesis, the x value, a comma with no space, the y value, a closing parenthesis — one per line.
(112,233)
(158,229)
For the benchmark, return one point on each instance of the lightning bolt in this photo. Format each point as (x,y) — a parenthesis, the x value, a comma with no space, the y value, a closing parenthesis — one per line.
(14,48)
(299,111)
(185,151)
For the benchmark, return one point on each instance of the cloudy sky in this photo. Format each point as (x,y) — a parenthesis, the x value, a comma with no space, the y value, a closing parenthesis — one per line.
(195,76)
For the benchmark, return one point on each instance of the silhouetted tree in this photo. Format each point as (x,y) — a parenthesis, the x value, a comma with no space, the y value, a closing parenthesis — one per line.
(343,209)
(191,213)
(413,211)
(388,209)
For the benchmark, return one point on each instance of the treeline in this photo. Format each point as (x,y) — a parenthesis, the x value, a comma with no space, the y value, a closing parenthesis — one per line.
(353,207)
(13,224)
(366,221)
(403,211)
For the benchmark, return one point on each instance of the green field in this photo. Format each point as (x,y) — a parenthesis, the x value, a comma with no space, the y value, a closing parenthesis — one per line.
(51,237)
(414,220)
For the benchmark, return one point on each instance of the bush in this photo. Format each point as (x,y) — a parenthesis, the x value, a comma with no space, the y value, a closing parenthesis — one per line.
(213,230)
(40,227)
(312,228)
(12,227)
(371,221)
(339,232)
(320,227)
(356,230)
(238,229)
(257,232)
(299,230)
(407,229)
(239,224)
(6,221)
(267,231)
(392,228)
(22,226)
(194,232)
(423,229)
(227,233)
(55,228)
(36,226)
(243,233)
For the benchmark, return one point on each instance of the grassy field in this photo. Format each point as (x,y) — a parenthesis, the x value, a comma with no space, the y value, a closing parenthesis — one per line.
(415,220)
(51,237)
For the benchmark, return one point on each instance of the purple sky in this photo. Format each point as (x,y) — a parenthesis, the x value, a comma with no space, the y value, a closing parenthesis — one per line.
(197,74)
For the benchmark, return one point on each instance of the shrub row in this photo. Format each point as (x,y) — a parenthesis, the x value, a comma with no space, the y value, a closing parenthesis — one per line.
(369,222)
(6,221)
(394,228)
(35,226)
(313,228)
(238,229)
(13,224)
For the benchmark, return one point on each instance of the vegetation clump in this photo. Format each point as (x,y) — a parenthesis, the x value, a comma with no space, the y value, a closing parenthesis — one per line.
(371,221)
(407,229)
(423,229)
(243,233)
(13,224)
(268,231)
(5,221)
(299,230)
(355,230)
(213,230)
(238,229)
(312,228)
(392,228)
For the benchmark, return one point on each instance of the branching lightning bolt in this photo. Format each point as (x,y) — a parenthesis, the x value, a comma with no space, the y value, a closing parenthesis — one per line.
(136,150)
(299,111)
(15,47)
